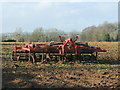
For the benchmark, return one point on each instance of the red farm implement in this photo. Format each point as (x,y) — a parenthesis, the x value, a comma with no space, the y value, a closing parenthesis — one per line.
(68,49)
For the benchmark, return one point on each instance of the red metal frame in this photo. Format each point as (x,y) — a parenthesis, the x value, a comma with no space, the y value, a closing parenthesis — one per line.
(65,47)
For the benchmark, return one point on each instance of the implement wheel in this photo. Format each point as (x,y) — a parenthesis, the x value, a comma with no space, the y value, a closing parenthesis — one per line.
(86,57)
(13,57)
(93,58)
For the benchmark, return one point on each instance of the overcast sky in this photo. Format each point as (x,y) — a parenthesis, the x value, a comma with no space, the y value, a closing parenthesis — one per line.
(66,16)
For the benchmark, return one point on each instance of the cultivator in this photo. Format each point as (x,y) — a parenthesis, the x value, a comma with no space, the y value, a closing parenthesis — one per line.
(65,50)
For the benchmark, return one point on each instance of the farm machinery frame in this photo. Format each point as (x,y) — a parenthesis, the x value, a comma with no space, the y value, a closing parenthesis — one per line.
(66,49)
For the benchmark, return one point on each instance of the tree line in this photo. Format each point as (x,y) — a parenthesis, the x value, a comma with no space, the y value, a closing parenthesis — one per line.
(104,32)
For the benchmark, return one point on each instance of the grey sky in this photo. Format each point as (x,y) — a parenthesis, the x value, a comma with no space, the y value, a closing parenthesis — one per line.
(66,16)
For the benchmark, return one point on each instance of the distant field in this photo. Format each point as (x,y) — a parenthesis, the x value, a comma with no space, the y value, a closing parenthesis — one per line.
(101,74)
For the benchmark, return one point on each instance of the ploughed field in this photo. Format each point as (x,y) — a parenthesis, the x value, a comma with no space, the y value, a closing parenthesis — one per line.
(103,73)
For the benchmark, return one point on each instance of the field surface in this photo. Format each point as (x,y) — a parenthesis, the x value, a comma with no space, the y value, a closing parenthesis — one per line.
(103,73)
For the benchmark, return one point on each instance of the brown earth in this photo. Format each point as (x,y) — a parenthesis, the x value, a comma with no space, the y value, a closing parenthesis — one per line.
(77,75)
(101,74)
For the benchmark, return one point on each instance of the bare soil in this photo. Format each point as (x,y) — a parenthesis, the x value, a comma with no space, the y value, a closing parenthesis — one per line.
(17,74)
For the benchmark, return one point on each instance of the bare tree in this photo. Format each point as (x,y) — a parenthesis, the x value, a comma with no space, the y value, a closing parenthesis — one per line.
(18,35)
(37,35)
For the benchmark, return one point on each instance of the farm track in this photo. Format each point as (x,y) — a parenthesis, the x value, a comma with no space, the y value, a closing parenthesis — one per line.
(101,74)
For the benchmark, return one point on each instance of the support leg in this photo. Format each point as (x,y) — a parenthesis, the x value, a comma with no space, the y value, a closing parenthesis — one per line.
(42,60)
(29,56)
(97,57)
(33,57)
